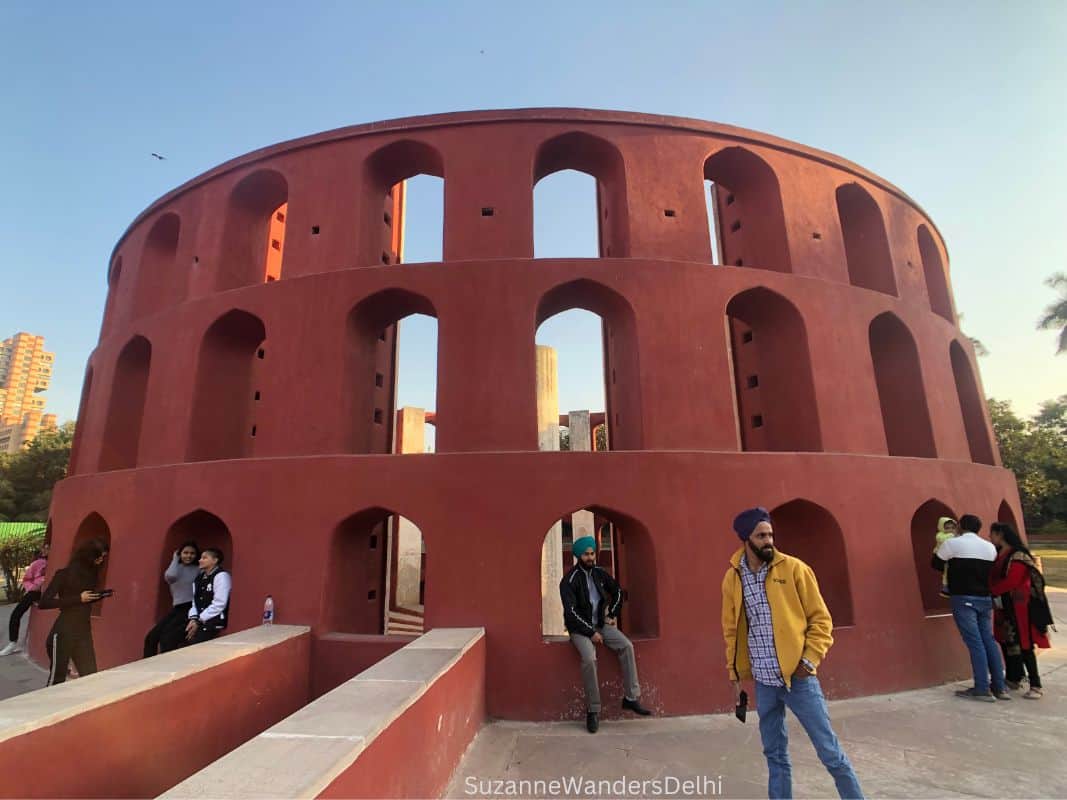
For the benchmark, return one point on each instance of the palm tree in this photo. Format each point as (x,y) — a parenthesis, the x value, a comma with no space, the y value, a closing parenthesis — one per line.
(1056,314)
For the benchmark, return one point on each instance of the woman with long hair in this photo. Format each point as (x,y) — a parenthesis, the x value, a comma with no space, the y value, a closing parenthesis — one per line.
(1010,582)
(169,633)
(73,591)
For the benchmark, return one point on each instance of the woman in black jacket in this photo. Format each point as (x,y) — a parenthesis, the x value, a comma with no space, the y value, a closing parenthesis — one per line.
(72,591)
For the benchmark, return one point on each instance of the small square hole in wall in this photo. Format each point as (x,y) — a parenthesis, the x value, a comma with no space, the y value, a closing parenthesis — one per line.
(257,395)
(816,235)
(387,218)
(196,260)
(381,336)
(746,337)
(378,416)
(253,430)
(668,212)
(739,263)
(385,258)
(374,542)
(730,199)
(372,594)
(275,244)
(315,230)
(757,421)
(736,226)
(487,211)
(280,217)
(753,381)
(261,353)
(379,380)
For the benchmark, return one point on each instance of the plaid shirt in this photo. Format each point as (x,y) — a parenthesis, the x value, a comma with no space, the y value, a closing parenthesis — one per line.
(761,652)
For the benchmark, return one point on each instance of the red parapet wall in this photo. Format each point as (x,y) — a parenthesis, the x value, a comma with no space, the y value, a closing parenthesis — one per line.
(242,392)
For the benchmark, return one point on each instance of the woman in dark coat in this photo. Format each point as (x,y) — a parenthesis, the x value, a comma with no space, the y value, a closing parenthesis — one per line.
(1009,582)
(73,591)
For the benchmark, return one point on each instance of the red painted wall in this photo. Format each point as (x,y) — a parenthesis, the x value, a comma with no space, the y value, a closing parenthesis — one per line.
(676,473)
(142,745)
(438,727)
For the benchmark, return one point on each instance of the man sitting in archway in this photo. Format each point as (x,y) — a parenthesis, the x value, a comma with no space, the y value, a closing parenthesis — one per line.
(591,602)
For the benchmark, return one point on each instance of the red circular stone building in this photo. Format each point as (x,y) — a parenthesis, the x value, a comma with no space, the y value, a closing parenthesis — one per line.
(241,392)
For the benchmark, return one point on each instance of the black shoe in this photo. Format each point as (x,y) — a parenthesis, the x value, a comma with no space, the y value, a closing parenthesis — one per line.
(636,707)
(592,722)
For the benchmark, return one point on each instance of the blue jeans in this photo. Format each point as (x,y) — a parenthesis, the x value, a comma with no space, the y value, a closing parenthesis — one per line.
(974,618)
(807,703)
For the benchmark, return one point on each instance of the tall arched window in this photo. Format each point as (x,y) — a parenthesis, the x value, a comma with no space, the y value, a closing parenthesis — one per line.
(199,526)
(253,241)
(870,263)
(600,159)
(95,526)
(971,407)
(159,280)
(934,271)
(384,178)
(125,410)
(901,394)
(745,211)
(225,394)
(775,391)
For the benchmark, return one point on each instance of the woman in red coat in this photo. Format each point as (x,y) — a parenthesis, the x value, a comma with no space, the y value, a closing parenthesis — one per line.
(1009,582)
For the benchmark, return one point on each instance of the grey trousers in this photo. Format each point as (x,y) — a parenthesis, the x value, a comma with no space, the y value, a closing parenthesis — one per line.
(617,641)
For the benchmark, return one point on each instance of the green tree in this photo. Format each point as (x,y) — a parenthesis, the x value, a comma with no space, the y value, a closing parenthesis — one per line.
(1036,451)
(27,477)
(1055,317)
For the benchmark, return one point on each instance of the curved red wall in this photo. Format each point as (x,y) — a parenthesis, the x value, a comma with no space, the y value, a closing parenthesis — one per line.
(257,403)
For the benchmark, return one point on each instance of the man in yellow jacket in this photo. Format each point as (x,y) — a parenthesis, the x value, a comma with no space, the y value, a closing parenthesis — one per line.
(777,630)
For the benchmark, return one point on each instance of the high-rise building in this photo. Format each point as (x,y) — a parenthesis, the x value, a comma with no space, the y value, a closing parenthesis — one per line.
(25,372)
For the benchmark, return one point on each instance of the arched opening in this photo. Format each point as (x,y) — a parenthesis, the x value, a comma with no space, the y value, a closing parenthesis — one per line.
(125,411)
(371,357)
(159,281)
(1006,516)
(570,379)
(199,526)
(810,532)
(619,375)
(376,579)
(386,190)
(746,220)
(923,543)
(870,264)
(83,418)
(565,216)
(94,526)
(253,242)
(971,406)
(773,382)
(934,270)
(898,375)
(624,548)
(232,355)
(602,161)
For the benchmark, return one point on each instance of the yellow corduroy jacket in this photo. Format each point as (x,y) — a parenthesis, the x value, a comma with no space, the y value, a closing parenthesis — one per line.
(802,624)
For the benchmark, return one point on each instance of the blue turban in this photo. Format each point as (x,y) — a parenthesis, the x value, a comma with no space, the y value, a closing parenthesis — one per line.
(747,520)
(582,544)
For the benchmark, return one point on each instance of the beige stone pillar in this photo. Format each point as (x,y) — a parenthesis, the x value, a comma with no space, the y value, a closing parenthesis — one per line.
(581,440)
(548,439)
(411,438)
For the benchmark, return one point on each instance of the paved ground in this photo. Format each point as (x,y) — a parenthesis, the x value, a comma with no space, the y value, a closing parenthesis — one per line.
(17,673)
(915,744)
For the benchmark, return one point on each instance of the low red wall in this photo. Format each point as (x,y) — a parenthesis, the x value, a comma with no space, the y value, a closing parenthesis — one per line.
(432,735)
(141,745)
(338,657)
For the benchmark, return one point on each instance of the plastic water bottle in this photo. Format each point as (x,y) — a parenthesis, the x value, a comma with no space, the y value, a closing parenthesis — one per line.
(268,611)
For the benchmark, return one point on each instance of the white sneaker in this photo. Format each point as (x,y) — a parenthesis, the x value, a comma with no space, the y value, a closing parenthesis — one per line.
(13,647)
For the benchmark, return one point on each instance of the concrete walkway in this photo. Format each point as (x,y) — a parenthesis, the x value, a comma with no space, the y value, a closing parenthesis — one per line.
(18,674)
(924,743)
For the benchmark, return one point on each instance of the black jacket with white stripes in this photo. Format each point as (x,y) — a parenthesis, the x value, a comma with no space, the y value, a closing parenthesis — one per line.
(577,608)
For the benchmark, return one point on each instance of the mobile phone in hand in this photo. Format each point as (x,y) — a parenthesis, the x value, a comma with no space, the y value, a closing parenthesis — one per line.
(105,593)
(742,706)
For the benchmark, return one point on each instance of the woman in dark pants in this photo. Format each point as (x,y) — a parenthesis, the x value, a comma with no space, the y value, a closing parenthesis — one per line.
(73,591)
(32,583)
(169,633)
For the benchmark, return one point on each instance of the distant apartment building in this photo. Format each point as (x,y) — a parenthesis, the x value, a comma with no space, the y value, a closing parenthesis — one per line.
(25,372)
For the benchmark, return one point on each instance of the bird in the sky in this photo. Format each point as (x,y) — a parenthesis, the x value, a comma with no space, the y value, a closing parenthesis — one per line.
(157,155)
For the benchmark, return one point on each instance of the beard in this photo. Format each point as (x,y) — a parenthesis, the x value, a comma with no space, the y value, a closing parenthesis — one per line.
(765,554)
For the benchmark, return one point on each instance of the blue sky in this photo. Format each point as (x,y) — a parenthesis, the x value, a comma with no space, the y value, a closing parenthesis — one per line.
(959,104)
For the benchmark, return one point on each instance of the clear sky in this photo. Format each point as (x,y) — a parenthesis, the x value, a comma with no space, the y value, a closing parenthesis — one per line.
(959,104)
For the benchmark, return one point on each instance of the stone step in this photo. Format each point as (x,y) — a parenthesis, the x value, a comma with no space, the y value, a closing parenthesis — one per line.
(403,616)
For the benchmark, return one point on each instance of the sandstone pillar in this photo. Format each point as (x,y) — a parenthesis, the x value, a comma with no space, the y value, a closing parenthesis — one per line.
(410,438)
(581,440)
(548,439)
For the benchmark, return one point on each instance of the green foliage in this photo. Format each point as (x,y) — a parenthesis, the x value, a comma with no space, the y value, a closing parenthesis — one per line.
(18,543)
(27,477)
(1036,451)
(1055,316)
